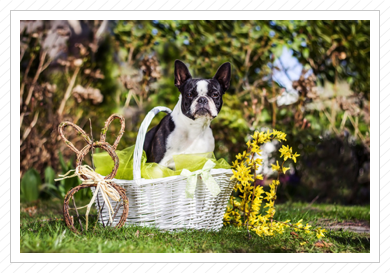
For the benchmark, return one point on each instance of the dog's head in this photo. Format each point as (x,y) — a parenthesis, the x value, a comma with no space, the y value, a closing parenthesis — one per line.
(201,97)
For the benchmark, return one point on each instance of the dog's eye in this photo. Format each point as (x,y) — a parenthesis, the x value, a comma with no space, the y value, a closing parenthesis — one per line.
(215,95)
(190,95)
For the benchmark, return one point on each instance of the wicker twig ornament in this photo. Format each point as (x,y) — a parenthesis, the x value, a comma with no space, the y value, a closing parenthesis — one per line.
(110,149)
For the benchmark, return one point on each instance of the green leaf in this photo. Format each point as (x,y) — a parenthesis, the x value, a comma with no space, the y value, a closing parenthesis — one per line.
(49,175)
(326,38)
(278,50)
(62,163)
(29,185)
(265,116)
(49,186)
(61,188)
(305,53)
(50,191)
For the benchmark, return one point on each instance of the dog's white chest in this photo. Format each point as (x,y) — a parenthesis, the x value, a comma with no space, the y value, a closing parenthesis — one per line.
(182,142)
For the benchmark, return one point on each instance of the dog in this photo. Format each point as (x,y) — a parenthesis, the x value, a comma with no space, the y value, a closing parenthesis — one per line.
(187,129)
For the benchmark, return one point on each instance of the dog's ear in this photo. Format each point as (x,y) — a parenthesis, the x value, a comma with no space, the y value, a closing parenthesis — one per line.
(223,76)
(181,73)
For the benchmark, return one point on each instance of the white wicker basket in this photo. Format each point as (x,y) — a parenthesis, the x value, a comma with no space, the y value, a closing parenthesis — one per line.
(162,202)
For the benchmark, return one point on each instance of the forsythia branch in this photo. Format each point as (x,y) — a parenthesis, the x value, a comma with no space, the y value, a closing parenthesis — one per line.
(248,209)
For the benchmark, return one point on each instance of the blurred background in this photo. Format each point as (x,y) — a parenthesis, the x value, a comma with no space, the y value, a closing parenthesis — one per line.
(310,79)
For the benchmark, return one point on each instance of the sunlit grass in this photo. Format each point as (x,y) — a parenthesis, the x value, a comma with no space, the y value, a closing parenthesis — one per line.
(46,232)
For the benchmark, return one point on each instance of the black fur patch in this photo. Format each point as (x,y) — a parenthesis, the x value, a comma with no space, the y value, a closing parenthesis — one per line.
(155,140)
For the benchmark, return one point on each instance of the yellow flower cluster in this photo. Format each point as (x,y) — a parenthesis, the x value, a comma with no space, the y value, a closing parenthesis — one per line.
(287,153)
(247,209)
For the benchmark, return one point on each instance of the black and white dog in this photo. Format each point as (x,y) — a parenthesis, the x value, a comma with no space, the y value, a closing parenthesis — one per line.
(187,129)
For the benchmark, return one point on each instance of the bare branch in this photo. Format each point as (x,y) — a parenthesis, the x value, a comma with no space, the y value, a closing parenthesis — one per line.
(330,121)
(39,70)
(25,78)
(68,92)
(29,128)
(32,86)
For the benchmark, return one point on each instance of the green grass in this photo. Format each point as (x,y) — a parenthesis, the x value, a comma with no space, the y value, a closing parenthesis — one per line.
(46,232)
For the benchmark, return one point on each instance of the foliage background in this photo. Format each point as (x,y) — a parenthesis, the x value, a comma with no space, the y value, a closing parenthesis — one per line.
(309,79)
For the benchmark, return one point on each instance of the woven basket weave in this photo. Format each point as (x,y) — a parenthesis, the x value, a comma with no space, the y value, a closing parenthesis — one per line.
(162,202)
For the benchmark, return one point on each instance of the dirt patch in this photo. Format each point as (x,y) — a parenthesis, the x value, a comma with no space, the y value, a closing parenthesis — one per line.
(354,226)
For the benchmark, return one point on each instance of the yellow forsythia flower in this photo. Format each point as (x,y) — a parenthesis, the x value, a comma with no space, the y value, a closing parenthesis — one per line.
(320,233)
(275,167)
(294,157)
(260,177)
(285,152)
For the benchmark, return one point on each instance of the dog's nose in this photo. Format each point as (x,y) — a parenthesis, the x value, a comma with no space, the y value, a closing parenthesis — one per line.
(202,100)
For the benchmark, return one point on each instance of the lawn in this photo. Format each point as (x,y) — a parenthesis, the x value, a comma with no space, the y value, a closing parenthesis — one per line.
(43,230)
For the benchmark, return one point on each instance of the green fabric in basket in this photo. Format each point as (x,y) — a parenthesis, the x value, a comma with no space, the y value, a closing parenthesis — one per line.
(192,162)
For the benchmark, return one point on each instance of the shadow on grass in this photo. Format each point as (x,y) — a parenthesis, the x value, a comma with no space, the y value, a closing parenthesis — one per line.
(354,240)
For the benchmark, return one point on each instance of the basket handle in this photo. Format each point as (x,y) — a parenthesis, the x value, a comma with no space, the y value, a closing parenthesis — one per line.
(139,144)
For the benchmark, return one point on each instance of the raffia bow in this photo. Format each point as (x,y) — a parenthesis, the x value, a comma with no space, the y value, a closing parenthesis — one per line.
(102,184)
(208,180)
